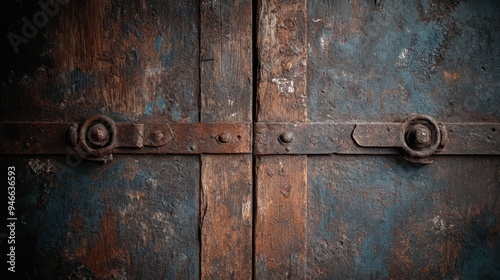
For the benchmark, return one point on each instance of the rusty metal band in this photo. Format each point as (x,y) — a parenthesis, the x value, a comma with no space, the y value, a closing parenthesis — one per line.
(270,138)
(369,138)
(149,138)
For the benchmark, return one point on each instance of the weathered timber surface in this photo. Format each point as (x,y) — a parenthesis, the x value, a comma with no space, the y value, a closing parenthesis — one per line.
(282,52)
(226,217)
(130,60)
(383,60)
(377,217)
(136,217)
(280,222)
(281,181)
(226,96)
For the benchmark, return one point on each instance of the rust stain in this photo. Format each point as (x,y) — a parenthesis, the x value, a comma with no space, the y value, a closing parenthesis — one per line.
(451,77)
(401,254)
(104,250)
(131,170)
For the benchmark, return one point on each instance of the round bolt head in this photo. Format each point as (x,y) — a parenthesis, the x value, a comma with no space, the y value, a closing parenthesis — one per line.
(158,135)
(421,135)
(192,147)
(286,137)
(224,138)
(98,135)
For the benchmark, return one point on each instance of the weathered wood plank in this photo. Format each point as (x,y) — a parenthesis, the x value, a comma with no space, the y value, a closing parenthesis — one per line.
(226,96)
(280,222)
(132,60)
(226,217)
(282,50)
(378,217)
(281,181)
(226,61)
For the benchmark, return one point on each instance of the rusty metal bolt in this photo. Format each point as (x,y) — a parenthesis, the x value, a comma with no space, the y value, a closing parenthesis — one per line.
(421,135)
(98,135)
(224,138)
(286,137)
(158,136)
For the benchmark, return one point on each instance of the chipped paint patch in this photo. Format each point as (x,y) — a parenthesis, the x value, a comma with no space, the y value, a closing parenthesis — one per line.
(439,225)
(284,85)
(42,166)
(403,58)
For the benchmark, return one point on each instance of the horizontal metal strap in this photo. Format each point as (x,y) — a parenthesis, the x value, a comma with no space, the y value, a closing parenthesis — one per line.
(369,138)
(131,138)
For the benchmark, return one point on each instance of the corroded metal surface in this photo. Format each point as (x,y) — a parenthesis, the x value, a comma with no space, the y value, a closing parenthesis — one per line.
(177,138)
(369,138)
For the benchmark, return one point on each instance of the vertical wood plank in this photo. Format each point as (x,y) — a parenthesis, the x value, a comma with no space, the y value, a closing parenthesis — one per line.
(226,96)
(226,210)
(280,241)
(281,182)
(226,61)
(282,56)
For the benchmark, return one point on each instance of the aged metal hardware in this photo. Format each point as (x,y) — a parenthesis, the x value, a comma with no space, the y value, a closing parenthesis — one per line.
(418,137)
(99,137)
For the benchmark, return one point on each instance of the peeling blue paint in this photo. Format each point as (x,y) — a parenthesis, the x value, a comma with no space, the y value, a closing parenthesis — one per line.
(162,104)
(175,113)
(390,72)
(148,110)
(481,258)
(168,60)
(357,204)
(158,41)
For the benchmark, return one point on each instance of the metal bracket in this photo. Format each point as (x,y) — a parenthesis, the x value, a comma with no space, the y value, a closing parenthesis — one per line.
(418,137)
(99,137)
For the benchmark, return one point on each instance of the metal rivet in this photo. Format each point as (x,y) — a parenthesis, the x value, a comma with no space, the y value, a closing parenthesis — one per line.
(158,135)
(421,135)
(286,137)
(288,149)
(98,135)
(192,147)
(224,138)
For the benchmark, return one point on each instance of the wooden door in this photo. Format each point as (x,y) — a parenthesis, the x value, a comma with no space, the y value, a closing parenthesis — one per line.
(340,181)
(152,215)
(340,200)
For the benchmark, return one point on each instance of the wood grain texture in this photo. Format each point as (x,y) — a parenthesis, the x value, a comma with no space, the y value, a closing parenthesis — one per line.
(379,217)
(135,217)
(282,48)
(281,181)
(226,217)
(280,224)
(226,61)
(132,60)
(226,96)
